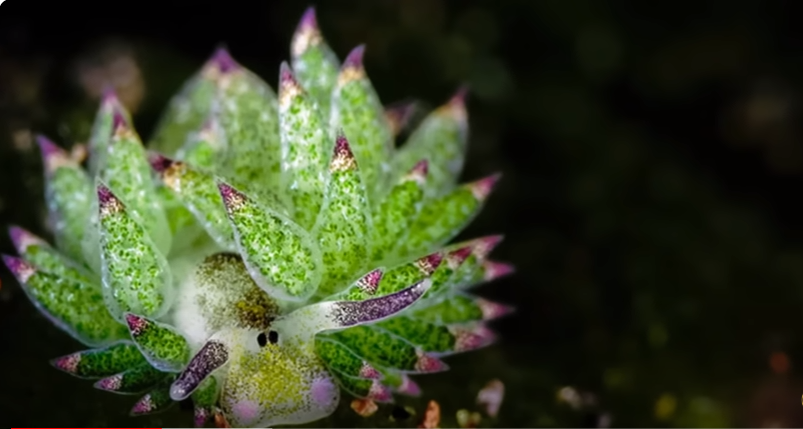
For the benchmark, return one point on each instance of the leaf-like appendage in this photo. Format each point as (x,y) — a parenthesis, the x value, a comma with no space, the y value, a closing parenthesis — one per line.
(281,257)
(128,173)
(306,148)
(69,192)
(74,304)
(397,211)
(160,343)
(381,347)
(104,362)
(136,276)
(313,61)
(205,148)
(442,219)
(199,193)
(132,381)
(442,340)
(248,112)
(441,139)
(344,221)
(155,401)
(190,107)
(357,110)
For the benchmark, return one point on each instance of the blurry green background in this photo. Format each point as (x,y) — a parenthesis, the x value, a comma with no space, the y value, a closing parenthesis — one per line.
(653,162)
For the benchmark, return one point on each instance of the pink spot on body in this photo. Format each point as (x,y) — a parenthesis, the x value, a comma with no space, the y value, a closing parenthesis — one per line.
(246,412)
(323,391)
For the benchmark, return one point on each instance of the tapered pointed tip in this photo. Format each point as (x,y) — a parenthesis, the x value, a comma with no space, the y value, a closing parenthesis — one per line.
(53,156)
(119,121)
(472,339)
(136,324)
(289,88)
(456,107)
(144,405)
(427,363)
(22,238)
(352,68)
(380,392)
(482,247)
(418,173)
(342,158)
(21,269)
(409,387)
(370,282)
(399,115)
(483,187)
(460,97)
(307,33)
(67,363)
(286,76)
(109,384)
(308,19)
(109,96)
(223,61)
(428,264)
(456,257)
(495,270)
(494,310)
(159,163)
(48,148)
(368,371)
(200,416)
(355,58)
(232,198)
(108,203)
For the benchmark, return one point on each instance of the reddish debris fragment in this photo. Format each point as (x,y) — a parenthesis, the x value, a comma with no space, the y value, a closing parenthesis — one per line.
(364,407)
(432,416)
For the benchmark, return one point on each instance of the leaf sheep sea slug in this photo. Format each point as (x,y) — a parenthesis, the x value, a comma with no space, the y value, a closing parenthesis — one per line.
(268,251)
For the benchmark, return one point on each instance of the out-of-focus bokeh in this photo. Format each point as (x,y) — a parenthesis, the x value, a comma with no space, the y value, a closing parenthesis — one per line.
(653,162)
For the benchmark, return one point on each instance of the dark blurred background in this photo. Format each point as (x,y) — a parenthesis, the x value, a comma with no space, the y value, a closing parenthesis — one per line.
(653,162)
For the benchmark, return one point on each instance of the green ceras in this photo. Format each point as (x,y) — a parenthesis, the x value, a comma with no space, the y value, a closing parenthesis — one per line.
(250,271)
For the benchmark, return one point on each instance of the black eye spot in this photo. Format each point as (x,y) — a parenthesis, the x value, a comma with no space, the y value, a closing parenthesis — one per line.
(273,337)
(262,339)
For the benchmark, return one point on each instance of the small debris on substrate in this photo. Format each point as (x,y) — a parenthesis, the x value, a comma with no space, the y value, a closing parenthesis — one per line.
(491,396)
(585,402)
(468,419)
(400,414)
(364,407)
(432,416)
(220,420)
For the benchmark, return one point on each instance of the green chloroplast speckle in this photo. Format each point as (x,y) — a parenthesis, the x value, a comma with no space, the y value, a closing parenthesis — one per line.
(266,252)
